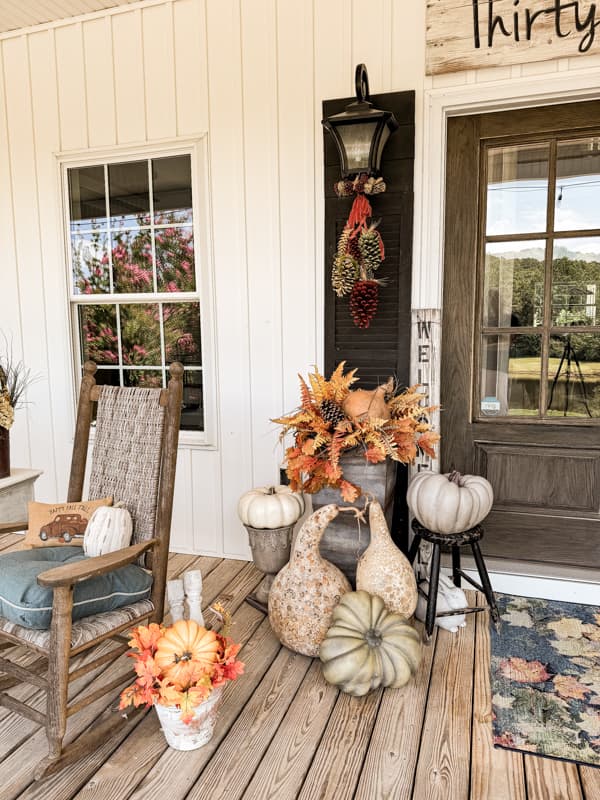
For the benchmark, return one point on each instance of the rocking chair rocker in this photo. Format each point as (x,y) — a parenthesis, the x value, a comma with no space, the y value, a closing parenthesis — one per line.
(134,459)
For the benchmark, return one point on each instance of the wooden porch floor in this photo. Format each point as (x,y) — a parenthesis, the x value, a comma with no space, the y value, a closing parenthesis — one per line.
(284,733)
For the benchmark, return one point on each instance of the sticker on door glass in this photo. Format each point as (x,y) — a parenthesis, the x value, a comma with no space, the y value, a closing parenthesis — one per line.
(490,406)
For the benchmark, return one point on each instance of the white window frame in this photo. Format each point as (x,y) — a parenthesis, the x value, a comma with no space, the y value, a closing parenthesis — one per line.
(197,149)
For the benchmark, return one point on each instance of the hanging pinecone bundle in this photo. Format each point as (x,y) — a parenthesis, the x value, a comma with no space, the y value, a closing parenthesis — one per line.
(363,302)
(345,268)
(331,412)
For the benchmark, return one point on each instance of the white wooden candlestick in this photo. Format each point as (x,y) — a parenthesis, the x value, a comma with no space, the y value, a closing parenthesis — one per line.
(175,597)
(192,581)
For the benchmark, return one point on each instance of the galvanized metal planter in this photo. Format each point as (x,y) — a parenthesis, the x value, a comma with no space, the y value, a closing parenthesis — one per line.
(270,552)
(344,540)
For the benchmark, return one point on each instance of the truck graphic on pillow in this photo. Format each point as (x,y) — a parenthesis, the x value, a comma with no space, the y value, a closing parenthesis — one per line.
(64,527)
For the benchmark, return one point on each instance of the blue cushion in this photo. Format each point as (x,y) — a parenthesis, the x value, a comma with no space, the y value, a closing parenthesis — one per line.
(24,601)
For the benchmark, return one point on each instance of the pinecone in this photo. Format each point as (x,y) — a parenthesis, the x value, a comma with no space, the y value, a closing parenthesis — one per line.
(370,248)
(363,302)
(353,248)
(344,275)
(331,412)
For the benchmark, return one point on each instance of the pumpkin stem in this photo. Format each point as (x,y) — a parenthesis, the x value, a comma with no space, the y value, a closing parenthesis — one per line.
(271,490)
(455,477)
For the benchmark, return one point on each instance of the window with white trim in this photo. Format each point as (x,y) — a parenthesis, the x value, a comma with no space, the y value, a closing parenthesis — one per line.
(134,282)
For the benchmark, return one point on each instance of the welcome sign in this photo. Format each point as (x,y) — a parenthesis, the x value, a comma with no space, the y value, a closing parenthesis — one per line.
(470,34)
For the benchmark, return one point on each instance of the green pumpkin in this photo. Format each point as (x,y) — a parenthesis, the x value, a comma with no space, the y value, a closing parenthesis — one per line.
(367,646)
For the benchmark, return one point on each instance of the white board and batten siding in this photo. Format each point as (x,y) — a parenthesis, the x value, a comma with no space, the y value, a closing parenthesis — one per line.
(248,78)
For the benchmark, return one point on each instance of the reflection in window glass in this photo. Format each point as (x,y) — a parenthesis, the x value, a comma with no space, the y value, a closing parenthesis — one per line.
(576,281)
(87,198)
(514,284)
(144,378)
(577,204)
(98,334)
(172,189)
(517,189)
(89,255)
(175,259)
(140,334)
(510,375)
(574,376)
(192,411)
(182,333)
(129,197)
(132,261)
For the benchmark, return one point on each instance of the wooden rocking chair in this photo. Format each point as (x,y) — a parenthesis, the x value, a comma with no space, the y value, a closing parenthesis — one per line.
(134,458)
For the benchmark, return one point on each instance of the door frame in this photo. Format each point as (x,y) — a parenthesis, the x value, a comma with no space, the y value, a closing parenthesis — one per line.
(549,88)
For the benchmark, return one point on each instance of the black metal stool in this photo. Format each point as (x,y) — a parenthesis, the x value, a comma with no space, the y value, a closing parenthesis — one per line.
(455,541)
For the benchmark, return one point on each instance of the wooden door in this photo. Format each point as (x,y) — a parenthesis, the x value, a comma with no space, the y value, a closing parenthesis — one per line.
(520,385)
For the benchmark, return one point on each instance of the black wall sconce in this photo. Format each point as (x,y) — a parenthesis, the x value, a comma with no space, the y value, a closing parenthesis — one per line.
(361,131)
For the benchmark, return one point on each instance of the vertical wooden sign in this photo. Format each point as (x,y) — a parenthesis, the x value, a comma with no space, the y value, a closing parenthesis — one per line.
(425,370)
(469,34)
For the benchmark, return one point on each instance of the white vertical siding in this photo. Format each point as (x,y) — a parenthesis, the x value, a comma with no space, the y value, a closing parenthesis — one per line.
(252,75)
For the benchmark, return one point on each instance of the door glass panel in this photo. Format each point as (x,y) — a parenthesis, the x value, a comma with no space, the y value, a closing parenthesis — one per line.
(576,281)
(574,375)
(510,375)
(577,204)
(517,189)
(513,284)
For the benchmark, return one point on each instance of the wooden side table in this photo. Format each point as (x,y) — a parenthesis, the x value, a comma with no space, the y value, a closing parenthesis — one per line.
(15,492)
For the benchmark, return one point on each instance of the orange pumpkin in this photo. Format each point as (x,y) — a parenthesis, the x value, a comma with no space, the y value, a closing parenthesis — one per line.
(185,650)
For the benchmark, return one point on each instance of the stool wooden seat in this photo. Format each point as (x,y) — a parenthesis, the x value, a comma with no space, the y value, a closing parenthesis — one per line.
(455,541)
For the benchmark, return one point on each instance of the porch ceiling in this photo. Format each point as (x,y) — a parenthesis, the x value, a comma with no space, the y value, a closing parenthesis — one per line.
(16,14)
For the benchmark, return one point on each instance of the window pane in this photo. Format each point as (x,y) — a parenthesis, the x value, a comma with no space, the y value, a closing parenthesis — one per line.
(129,198)
(576,281)
(175,259)
(87,198)
(132,261)
(577,204)
(144,378)
(140,334)
(517,189)
(192,411)
(574,375)
(89,253)
(108,377)
(182,333)
(510,375)
(98,334)
(514,284)
(172,189)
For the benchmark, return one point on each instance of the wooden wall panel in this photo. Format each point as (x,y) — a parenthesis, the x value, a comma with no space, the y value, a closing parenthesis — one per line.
(99,82)
(72,98)
(191,73)
(159,72)
(128,59)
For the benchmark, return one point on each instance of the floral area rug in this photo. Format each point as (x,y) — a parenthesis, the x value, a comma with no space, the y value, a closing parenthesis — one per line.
(546,678)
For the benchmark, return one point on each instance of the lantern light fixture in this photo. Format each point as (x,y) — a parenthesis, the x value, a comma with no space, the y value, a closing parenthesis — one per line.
(361,131)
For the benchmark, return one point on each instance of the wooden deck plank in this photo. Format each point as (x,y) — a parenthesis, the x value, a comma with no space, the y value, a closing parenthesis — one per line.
(496,774)
(336,766)
(444,759)
(548,779)
(590,782)
(389,767)
(252,732)
(281,772)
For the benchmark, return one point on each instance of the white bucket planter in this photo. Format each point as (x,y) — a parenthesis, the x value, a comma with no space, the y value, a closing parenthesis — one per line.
(191,735)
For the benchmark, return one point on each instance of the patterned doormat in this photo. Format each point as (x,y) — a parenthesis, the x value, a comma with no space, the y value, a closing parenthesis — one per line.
(546,679)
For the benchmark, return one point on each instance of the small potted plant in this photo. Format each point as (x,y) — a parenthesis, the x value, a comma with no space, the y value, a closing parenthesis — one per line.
(181,671)
(15,377)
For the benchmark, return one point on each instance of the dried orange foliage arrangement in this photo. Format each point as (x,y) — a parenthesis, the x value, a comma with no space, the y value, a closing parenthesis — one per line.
(392,425)
(180,665)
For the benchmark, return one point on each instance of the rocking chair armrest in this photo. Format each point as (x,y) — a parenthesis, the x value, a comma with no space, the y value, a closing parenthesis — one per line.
(12,527)
(69,574)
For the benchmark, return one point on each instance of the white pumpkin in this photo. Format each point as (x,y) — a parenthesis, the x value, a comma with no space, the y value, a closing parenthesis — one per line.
(270,507)
(449,503)
(110,528)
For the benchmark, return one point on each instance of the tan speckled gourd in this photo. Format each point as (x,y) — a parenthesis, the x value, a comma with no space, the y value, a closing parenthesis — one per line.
(307,589)
(384,570)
